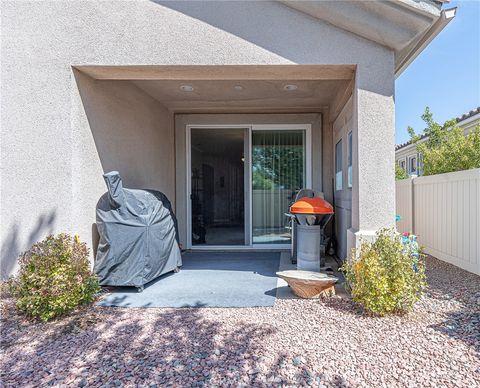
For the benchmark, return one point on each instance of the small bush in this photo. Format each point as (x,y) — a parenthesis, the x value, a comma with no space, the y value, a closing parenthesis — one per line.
(385,276)
(54,278)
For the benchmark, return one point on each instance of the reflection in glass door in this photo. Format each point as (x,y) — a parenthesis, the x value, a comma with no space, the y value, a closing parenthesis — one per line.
(218,186)
(278,171)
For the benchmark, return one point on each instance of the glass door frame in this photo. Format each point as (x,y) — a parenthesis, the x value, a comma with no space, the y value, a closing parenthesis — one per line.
(249,128)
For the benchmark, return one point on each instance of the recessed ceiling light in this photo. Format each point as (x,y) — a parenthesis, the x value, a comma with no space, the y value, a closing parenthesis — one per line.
(238,87)
(187,88)
(290,87)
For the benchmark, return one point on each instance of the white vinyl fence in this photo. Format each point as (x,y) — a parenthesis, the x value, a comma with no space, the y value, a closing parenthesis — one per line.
(444,212)
(266,205)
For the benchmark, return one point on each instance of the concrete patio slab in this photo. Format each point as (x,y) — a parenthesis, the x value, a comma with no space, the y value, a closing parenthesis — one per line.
(208,279)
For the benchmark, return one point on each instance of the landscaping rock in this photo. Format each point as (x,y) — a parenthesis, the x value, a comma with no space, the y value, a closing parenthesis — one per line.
(298,361)
(324,343)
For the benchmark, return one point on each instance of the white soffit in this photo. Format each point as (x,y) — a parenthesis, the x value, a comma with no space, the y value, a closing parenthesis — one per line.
(405,26)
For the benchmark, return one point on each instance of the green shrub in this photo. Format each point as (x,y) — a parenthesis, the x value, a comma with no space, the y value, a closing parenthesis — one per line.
(384,276)
(54,278)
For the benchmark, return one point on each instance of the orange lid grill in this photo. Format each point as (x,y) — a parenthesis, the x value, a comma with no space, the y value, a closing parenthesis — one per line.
(315,205)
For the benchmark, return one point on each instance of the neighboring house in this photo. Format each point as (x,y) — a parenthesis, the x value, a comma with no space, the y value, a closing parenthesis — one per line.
(226,107)
(409,159)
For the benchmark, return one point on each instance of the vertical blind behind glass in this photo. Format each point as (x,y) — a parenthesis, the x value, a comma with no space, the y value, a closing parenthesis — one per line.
(278,171)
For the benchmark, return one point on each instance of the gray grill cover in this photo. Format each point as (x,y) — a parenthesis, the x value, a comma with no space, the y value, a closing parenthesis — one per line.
(138,235)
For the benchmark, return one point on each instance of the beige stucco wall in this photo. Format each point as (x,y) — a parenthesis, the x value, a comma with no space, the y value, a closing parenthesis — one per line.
(117,126)
(43,172)
(373,188)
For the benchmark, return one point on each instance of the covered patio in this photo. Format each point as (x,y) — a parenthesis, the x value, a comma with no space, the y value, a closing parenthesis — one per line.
(151,123)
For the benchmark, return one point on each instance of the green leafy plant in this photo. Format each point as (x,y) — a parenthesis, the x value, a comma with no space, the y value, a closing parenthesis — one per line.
(54,278)
(384,276)
(400,173)
(447,148)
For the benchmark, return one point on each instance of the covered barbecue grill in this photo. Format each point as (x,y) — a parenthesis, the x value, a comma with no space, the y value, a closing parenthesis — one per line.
(311,213)
(138,237)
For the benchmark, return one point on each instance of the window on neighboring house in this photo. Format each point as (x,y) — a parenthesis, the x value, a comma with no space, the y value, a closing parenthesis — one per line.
(338,166)
(402,163)
(349,171)
(412,165)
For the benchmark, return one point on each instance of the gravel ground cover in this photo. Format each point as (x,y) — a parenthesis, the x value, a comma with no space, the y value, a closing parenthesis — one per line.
(327,342)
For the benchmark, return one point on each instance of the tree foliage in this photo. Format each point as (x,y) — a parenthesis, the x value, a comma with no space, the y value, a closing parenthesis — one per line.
(446,148)
(277,167)
(400,173)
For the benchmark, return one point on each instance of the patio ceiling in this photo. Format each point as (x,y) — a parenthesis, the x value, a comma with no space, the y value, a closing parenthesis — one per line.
(243,95)
(236,89)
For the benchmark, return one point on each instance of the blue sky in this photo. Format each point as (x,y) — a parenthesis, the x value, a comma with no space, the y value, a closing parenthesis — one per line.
(445,76)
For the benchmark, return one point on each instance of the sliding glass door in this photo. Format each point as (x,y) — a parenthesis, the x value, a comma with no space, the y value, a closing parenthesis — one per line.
(242,180)
(278,168)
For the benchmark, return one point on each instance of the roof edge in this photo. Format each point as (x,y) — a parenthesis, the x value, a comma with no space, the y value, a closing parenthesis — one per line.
(446,16)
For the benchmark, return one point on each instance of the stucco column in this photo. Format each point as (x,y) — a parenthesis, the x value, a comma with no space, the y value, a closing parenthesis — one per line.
(373,181)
